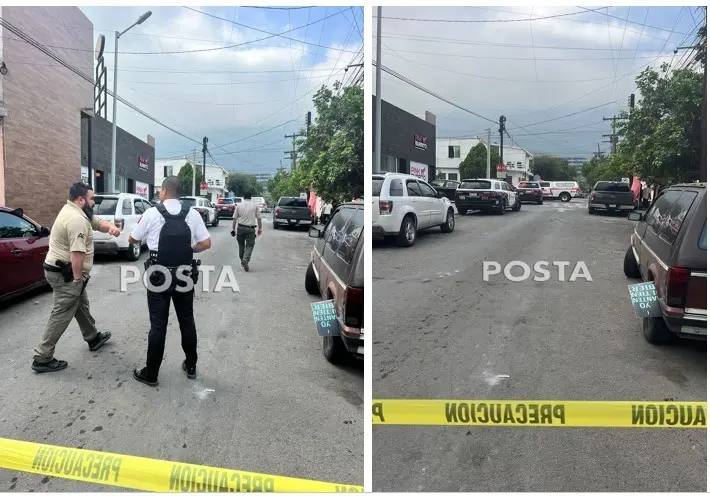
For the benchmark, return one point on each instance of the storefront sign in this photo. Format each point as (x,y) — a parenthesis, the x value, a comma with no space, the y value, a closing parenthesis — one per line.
(420,142)
(142,189)
(419,170)
(85,175)
(143,163)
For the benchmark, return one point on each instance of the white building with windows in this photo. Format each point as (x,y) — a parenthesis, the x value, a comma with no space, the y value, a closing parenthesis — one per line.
(450,152)
(216,176)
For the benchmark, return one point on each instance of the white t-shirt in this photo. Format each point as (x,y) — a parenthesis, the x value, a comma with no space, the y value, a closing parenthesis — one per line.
(152,222)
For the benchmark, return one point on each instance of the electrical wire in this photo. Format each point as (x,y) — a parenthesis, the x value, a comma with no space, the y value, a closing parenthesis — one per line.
(486,21)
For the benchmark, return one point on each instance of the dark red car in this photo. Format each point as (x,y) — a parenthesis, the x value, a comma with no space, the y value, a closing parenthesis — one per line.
(225,207)
(23,246)
(530,192)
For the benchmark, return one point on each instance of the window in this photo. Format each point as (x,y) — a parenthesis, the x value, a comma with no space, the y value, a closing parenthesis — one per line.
(216,181)
(336,228)
(388,164)
(346,249)
(519,165)
(377,185)
(544,185)
(140,210)
(413,189)
(498,185)
(428,190)
(226,201)
(452,184)
(188,202)
(454,151)
(168,170)
(105,205)
(703,242)
(12,226)
(656,217)
(454,176)
(396,188)
(475,185)
(292,201)
(611,186)
(126,207)
(674,221)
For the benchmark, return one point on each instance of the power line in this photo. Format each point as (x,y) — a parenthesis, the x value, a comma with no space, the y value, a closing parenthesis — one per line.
(485,21)
(87,78)
(596,11)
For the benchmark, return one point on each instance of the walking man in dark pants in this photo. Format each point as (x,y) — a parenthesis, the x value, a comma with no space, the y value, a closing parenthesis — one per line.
(246,218)
(173,234)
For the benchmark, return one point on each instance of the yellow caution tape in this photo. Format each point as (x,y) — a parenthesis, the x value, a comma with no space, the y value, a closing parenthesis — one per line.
(499,413)
(146,474)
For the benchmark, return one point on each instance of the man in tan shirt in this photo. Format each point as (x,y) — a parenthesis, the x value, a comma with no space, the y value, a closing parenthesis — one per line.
(246,218)
(67,268)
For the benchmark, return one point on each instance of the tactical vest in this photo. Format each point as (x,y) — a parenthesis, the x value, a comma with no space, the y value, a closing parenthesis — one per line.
(175,242)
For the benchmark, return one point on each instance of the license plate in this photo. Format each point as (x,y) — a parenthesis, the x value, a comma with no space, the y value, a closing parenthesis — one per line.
(473,195)
(612,206)
(697,331)
(292,221)
(361,350)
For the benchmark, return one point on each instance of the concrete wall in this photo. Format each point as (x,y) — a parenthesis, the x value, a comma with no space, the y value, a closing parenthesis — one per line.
(44,101)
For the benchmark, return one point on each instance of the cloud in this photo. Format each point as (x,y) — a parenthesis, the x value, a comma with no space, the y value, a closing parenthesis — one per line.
(223,93)
(529,71)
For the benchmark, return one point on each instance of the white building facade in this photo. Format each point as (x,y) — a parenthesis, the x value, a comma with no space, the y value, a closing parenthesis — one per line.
(216,176)
(450,152)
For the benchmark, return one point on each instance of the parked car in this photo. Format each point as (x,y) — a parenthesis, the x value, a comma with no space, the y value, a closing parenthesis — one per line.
(202,203)
(611,196)
(259,200)
(337,272)
(669,248)
(446,186)
(23,247)
(403,205)
(124,210)
(292,211)
(488,195)
(225,207)
(529,192)
(559,190)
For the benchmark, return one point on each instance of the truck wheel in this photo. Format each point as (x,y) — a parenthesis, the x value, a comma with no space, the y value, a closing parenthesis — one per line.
(592,211)
(631,268)
(503,207)
(462,211)
(656,332)
(276,226)
(407,232)
(540,201)
(334,350)
(518,205)
(448,226)
(312,287)
(216,221)
(565,197)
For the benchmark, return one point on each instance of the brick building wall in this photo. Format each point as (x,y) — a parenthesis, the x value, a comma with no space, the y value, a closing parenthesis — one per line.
(42,131)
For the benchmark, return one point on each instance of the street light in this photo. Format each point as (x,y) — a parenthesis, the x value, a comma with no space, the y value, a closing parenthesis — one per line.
(112,176)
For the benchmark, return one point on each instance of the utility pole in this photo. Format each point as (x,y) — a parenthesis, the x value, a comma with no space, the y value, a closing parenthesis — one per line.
(204,161)
(488,160)
(378,94)
(613,137)
(293,151)
(194,173)
(501,130)
(308,122)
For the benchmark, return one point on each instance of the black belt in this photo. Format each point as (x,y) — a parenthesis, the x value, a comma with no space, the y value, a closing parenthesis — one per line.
(244,225)
(51,268)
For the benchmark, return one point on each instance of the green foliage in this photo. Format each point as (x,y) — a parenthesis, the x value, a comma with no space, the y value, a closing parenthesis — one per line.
(185,176)
(663,139)
(474,165)
(332,162)
(603,168)
(552,168)
(240,183)
(282,184)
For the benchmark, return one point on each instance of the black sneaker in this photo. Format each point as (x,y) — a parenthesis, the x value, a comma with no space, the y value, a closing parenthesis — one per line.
(245,265)
(191,372)
(141,376)
(52,366)
(99,341)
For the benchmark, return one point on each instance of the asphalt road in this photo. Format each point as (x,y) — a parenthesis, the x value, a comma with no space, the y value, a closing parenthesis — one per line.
(265,399)
(441,332)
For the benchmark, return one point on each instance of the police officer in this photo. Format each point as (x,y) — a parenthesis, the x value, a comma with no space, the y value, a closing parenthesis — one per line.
(173,233)
(246,218)
(67,268)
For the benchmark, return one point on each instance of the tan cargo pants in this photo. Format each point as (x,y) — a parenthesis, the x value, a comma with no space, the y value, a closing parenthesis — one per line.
(69,301)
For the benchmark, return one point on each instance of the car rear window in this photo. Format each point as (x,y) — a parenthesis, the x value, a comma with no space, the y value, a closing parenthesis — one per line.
(475,185)
(293,202)
(671,224)
(612,187)
(105,205)
(226,201)
(377,183)
(528,185)
(703,242)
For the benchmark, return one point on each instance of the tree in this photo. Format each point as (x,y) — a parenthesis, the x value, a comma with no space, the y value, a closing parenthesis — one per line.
(241,183)
(553,168)
(185,176)
(282,184)
(663,137)
(333,151)
(474,165)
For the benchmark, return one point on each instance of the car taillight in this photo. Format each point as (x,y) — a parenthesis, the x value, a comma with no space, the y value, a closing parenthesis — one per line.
(118,223)
(276,211)
(677,280)
(593,197)
(354,310)
(385,207)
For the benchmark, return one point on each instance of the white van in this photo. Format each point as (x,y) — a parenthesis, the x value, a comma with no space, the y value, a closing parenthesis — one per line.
(560,190)
(124,210)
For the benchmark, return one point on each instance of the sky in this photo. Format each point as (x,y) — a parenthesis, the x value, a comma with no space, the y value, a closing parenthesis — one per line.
(531,71)
(226,94)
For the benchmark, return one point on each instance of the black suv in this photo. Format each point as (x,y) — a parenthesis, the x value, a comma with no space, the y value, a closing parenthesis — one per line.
(337,272)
